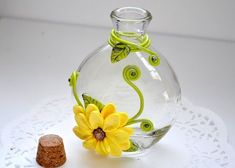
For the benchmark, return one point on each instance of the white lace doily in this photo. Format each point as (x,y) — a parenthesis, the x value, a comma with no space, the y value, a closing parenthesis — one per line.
(197,140)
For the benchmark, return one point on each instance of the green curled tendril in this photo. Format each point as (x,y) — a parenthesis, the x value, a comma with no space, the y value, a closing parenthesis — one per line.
(145,124)
(73,83)
(133,73)
(154,60)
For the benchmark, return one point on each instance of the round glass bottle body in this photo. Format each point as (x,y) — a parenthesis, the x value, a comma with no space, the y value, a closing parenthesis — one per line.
(102,79)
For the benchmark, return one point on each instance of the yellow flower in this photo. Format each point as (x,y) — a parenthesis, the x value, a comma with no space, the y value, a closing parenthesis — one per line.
(104,131)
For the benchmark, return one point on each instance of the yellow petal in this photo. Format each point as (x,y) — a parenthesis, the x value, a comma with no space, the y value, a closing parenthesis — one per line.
(100,148)
(123,118)
(96,120)
(103,147)
(108,109)
(128,130)
(90,143)
(115,150)
(120,137)
(111,123)
(82,133)
(78,109)
(82,121)
(90,108)
(125,145)
(106,145)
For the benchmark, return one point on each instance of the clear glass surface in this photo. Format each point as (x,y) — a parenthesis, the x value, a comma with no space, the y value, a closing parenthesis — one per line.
(103,80)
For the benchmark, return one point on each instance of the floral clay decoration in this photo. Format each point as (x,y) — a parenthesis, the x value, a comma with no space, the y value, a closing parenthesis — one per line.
(130,96)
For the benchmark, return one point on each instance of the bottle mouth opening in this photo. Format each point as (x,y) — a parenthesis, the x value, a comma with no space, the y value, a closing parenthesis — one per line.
(131,14)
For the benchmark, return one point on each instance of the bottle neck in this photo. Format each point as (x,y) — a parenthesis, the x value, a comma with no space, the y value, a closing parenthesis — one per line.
(133,37)
(130,23)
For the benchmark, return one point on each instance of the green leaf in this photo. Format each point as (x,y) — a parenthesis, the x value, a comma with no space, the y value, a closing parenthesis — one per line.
(89,100)
(119,52)
(160,133)
(133,148)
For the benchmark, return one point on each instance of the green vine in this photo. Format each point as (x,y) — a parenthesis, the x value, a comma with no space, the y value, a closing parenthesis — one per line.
(73,83)
(133,73)
(121,47)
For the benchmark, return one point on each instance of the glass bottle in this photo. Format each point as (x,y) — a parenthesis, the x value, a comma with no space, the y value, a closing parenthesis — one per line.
(129,72)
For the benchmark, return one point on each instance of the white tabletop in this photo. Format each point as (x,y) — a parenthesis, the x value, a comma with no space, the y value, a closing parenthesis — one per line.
(36,59)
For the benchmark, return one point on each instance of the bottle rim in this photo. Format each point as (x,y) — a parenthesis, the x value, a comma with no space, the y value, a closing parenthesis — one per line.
(131,14)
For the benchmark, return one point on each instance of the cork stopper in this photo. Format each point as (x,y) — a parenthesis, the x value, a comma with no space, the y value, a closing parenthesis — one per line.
(51,151)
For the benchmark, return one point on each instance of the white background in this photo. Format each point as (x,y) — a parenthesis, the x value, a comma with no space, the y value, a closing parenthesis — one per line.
(37,54)
(204,18)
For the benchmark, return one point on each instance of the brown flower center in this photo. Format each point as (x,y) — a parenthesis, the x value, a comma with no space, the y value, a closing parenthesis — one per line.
(99,134)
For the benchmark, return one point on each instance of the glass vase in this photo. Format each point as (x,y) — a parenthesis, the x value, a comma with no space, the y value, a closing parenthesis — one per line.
(128,72)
